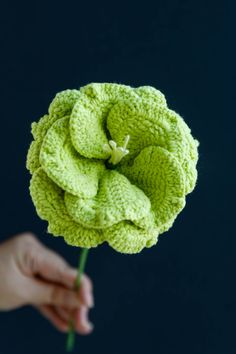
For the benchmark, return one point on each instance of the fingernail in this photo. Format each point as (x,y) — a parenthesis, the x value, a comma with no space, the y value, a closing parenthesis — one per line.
(90,301)
(90,326)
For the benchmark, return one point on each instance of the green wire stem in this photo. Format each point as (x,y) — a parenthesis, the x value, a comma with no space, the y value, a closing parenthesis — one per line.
(70,342)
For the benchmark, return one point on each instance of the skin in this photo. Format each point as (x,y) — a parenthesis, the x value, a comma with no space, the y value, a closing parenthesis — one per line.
(32,274)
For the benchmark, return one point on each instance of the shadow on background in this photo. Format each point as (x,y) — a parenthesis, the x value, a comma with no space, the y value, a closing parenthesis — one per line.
(178,297)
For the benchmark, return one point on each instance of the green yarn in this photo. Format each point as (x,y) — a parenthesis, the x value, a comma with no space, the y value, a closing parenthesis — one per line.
(65,166)
(117,199)
(89,197)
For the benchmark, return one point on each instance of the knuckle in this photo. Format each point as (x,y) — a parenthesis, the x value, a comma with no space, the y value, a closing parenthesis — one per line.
(60,272)
(60,296)
(28,237)
(54,295)
(62,269)
(27,242)
(30,257)
(86,281)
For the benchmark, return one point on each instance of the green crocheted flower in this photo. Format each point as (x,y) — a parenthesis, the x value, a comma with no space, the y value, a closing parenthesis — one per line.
(111,163)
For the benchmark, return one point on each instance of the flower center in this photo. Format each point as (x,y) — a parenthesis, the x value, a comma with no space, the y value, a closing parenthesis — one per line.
(116,152)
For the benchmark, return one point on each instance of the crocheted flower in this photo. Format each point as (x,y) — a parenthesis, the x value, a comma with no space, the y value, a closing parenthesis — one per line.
(111,163)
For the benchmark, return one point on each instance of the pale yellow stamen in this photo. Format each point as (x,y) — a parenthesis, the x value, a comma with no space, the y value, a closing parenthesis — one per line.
(116,152)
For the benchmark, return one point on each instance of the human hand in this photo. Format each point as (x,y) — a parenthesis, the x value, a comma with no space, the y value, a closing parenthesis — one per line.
(32,274)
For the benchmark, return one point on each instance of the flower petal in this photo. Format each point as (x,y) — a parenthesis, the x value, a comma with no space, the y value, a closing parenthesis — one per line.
(38,131)
(117,199)
(61,106)
(150,124)
(159,174)
(63,103)
(189,164)
(147,125)
(48,199)
(32,160)
(88,119)
(151,95)
(126,237)
(62,163)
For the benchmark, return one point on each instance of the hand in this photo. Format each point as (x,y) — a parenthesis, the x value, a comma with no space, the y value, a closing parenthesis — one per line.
(32,274)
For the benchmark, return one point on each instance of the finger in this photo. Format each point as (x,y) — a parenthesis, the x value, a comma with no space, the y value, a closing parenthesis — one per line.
(49,313)
(64,313)
(40,293)
(86,291)
(53,267)
(82,323)
(76,315)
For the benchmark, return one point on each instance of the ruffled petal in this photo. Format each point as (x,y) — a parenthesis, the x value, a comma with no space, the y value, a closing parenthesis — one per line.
(88,119)
(48,199)
(62,163)
(38,131)
(117,199)
(32,160)
(63,103)
(151,95)
(126,237)
(147,125)
(60,107)
(159,174)
(153,125)
(190,162)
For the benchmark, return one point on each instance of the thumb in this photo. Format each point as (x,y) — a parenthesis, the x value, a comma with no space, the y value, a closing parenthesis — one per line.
(40,292)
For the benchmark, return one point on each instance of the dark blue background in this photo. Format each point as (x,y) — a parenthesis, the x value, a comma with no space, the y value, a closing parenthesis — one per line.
(178,297)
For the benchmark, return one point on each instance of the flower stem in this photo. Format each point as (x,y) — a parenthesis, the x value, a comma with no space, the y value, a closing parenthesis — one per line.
(71,332)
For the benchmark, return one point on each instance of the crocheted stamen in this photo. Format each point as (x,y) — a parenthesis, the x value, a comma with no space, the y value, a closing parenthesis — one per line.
(116,152)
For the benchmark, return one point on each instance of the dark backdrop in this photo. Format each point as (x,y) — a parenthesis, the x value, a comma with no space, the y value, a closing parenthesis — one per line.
(177,297)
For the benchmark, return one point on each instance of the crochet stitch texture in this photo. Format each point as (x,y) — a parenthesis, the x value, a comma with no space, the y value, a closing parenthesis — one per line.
(89,200)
